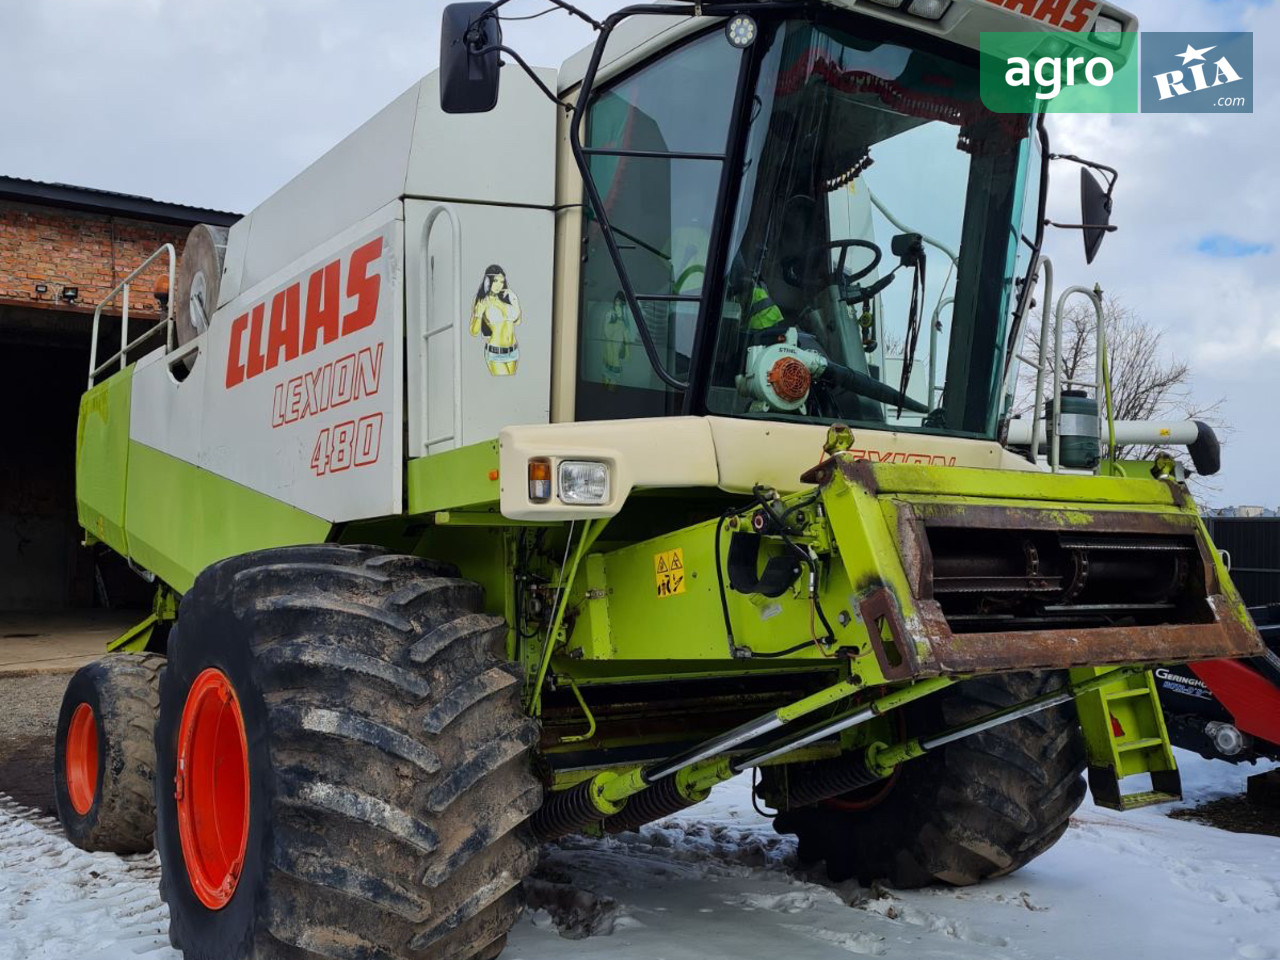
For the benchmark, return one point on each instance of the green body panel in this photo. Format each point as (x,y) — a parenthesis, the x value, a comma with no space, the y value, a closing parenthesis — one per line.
(466,477)
(102,459)
(625,614)
(180,518)
(625,617)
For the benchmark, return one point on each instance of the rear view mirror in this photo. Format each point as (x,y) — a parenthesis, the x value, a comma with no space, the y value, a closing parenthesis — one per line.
(1095,205)
(469,62)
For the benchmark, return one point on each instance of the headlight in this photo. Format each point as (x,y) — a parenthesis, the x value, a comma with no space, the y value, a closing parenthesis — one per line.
(583,481)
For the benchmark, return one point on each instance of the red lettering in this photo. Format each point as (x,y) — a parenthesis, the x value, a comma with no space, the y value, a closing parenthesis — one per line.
(284,326)
(368,371)
(1052,11)
(363,287)
(1081,16)
(277,407)
(316,390)
(1021,6)
(235,366)
(320,453)
(253,364)
(343,448)
(293,409)
(368,439)
(344,380)
(322,307)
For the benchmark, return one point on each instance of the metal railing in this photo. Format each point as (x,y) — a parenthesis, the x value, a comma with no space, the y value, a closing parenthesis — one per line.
(1101,384)
(122,356)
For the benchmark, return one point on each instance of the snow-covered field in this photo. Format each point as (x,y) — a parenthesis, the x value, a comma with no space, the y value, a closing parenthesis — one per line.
(719,883)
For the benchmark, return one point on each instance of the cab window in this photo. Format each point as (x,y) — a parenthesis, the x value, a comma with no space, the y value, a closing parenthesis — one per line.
(655,141)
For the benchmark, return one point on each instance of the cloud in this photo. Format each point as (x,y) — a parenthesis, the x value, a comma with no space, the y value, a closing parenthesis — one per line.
(1221,245)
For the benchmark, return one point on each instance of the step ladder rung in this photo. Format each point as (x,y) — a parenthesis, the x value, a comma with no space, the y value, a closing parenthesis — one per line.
(1128,694)
(1145,743)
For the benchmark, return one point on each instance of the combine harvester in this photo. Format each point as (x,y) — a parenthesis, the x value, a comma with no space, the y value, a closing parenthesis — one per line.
(539,458)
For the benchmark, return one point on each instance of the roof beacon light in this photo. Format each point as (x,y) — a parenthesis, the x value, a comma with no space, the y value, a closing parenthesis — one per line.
(741,31)
(929,9)
(1108,31)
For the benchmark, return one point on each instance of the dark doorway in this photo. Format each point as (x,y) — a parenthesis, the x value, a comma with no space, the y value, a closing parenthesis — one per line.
(43,564)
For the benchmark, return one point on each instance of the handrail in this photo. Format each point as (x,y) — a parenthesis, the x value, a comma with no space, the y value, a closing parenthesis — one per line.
(125,344)
(1059,368)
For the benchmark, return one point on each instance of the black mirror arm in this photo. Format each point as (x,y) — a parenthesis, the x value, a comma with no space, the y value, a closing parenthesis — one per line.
(492,11)
(1110,173)
(1108,228)
(502,48)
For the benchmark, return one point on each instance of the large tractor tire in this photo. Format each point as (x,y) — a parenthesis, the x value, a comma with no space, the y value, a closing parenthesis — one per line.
(104,754)
(343,765)
(975,809)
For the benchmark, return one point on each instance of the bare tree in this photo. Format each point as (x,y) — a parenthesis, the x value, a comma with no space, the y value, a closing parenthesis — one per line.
(1148,381)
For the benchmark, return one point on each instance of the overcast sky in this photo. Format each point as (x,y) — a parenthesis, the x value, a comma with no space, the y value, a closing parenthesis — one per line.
(217,102)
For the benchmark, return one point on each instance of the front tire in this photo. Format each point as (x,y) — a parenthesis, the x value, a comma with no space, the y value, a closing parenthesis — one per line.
(386,759)
(104,754)
(973,810)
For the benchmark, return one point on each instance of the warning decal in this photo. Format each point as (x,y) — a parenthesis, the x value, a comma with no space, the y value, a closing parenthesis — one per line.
(668,572)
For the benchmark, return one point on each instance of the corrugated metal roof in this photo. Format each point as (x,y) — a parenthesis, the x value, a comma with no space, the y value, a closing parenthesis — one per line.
(93,200)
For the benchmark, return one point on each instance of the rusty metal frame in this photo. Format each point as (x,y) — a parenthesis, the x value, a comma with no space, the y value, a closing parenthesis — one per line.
(941,651)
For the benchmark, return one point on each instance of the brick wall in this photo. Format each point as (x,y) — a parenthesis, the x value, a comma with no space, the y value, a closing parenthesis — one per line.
(93,252)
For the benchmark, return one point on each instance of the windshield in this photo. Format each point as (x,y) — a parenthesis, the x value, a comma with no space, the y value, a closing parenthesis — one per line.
(870,269)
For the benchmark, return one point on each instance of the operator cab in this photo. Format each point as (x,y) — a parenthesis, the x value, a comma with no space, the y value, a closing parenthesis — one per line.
(821,226)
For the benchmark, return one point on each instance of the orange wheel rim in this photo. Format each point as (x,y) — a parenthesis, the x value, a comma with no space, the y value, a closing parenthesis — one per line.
(82,759)
(212,788)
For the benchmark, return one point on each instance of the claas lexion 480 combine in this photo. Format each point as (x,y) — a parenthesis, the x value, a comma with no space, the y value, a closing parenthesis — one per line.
(553,450)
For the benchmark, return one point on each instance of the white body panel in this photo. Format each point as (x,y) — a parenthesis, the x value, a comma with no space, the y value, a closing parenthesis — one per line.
(448,249)
(409,149)
(297,393)
(319,423)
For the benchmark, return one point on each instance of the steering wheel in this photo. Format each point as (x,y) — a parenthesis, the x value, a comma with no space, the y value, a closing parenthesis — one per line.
(844,246)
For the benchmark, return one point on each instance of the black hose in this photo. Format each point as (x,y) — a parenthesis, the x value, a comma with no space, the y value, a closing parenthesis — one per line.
(869,387)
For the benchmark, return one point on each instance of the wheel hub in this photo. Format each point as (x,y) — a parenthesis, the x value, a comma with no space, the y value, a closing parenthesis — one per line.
(212,788)
(82,759)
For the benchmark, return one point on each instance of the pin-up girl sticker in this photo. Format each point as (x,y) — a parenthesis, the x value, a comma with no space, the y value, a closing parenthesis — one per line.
(494,316)
(616,349)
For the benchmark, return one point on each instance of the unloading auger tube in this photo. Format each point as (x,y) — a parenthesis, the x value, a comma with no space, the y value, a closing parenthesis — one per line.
(626,800)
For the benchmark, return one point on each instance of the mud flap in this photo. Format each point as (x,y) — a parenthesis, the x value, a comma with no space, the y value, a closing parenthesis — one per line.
(1125,736)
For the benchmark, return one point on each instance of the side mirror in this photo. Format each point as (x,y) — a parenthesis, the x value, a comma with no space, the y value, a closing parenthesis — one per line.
(469,62)
(1095,205)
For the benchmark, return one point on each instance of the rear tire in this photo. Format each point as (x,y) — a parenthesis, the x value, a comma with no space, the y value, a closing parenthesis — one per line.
(976,809)
(104,754)
(388,758)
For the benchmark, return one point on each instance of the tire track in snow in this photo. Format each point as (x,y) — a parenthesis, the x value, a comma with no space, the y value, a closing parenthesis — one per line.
(57,901)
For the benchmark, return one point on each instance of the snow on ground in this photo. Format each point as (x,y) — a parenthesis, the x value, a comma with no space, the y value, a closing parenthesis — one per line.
(719,884)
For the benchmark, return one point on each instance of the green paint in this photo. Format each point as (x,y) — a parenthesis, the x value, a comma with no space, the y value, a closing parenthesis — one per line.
(136,638)
(102,459)
(466,477)
(181,518)
(986,486)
